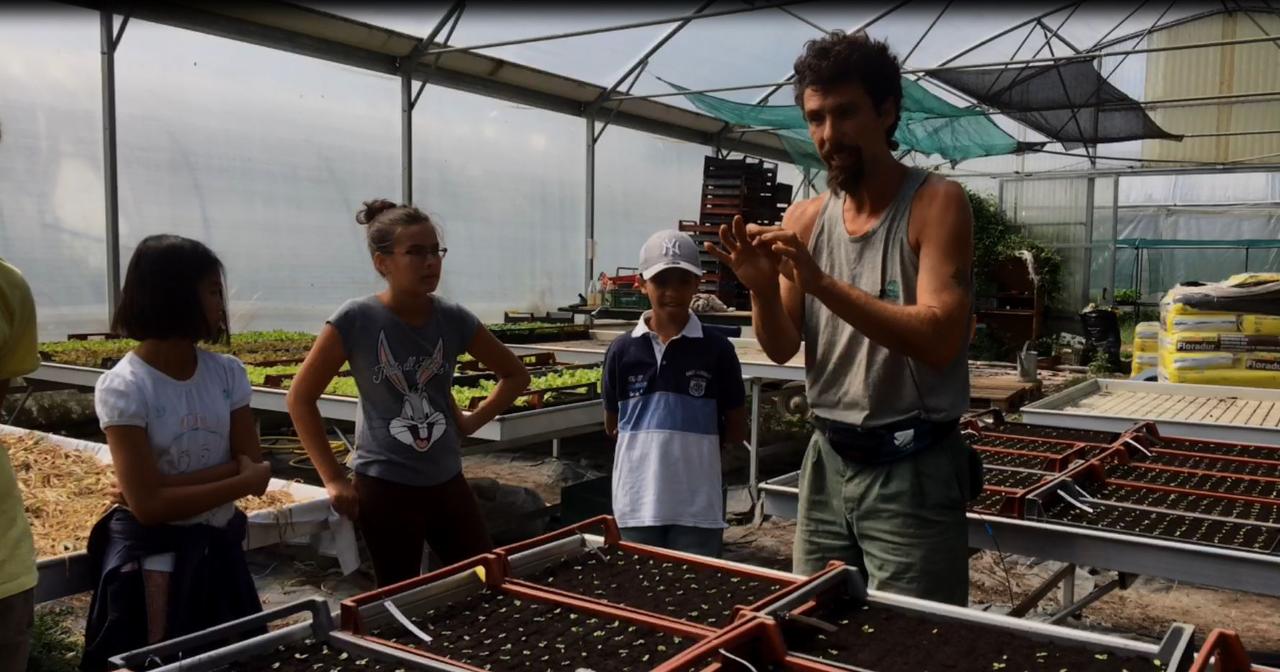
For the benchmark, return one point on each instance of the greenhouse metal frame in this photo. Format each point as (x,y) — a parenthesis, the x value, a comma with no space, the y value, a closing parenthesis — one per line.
(432,59)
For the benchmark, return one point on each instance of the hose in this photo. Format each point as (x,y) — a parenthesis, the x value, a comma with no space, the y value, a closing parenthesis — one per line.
(292,445)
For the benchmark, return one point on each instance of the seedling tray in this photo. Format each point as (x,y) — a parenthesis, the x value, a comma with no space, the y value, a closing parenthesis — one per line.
(891,633)
(699,592)
(1004,491)
(244,645)
(477,620)
(515,333)
(1065,503)
(992,421)
(1188,480)
(753,644)
(1148,436)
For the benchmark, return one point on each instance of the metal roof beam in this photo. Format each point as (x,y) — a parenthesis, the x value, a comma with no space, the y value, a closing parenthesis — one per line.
(615,28)
(640,62)
(997,64)
(213,22)
(856,29)
(1178,22)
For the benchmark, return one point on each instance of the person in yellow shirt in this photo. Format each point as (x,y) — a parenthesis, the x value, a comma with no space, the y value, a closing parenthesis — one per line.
(18,357)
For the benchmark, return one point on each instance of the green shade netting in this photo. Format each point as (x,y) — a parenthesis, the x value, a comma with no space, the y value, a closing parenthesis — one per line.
(928,125)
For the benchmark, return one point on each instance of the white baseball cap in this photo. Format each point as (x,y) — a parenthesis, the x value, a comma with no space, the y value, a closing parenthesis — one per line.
(669,249)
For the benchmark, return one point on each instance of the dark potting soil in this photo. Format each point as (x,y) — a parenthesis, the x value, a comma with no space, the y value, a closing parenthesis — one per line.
(1008,478)
(312,656)
(1024,445)
(495,631)
(1230,485)
(992,458)
(887,640)
(1243,536)
(1224,449)
(1202,504)
(1054,433)
(672,589)
(988,502)
(1213,464)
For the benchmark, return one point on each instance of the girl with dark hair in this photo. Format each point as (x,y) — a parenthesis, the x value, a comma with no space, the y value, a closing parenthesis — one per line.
(184,447)
(402,345)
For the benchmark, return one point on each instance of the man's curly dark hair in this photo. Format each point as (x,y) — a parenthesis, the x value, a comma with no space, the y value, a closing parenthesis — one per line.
(839,59)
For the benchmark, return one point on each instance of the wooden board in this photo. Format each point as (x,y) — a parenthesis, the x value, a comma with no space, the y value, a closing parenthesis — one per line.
(1007,393)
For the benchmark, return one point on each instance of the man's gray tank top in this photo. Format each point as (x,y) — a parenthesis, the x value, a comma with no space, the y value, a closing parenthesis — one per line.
(851,379)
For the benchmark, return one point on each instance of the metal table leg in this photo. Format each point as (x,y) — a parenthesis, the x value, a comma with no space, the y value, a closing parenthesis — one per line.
(1069,586)
(753,478)
(21,402)
(1122,581)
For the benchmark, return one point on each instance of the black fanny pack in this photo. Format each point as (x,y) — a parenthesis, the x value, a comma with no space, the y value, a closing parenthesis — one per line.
(888,443)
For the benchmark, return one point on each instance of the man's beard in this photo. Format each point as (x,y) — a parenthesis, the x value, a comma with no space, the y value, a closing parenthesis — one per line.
(847,176)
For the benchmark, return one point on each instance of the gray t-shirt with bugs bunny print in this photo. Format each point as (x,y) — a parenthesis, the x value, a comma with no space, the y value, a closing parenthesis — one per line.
(404,375)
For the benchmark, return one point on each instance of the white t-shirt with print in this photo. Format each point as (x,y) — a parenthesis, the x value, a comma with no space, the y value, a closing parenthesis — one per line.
(188,422)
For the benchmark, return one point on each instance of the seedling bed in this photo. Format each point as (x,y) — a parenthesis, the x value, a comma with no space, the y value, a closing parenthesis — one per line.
(1055,433)
(989,501)
(1186,502)
(1214,465)
(1238,450)
(680,590)
(311,655)
(1042,447)
(1166,525)
(1232,485)
(496,630)
(1012,479)
(884,639)
(1022,429)
(998,458)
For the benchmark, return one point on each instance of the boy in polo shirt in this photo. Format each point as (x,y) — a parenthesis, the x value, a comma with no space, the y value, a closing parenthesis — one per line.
(673,395)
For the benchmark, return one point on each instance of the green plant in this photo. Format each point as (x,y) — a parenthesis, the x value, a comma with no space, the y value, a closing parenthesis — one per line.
(55,645)
(1101,365)
(1128,296)
(995,240)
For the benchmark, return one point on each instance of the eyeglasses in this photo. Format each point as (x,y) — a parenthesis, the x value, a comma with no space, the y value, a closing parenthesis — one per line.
(423,254)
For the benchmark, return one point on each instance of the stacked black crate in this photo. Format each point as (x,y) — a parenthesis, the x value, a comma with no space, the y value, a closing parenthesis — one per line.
(748,187)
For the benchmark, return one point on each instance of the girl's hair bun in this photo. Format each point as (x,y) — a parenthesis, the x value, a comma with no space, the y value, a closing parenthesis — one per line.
(372,209)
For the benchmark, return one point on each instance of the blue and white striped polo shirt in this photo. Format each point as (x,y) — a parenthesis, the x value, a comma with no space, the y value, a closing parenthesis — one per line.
(671,401)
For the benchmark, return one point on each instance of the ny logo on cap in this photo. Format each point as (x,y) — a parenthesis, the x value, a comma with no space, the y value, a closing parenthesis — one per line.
(671,247)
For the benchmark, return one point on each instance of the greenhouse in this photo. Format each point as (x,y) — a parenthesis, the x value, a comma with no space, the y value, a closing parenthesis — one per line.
(654,412)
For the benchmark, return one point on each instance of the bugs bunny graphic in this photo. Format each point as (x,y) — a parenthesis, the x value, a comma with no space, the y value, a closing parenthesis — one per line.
(419,425)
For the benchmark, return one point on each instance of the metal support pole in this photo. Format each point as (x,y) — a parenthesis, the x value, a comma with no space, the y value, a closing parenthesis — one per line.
(590,250)
(1088,238)
(406,137)
(805,188)
(1029,602)
(110,184)
(1115,228)
(753,478)
(1069,586)
(21,402)
(1122,581)
(555,448)
(342,436)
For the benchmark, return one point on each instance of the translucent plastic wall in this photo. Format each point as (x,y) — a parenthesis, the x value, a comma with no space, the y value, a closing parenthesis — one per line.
(1234,208)
(266,157)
